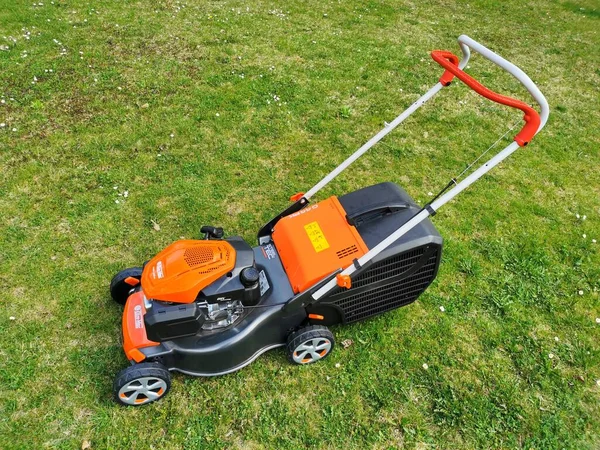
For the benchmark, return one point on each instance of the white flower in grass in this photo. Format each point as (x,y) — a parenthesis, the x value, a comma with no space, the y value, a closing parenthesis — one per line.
(593,241)
(126,194)
(598,382)
(117,201)
(425,366)
(2,125)
(442,309)
(11,318)
(580,292)
(584,235)
(14,129)
(556,338)
(597,319)
(577,215)
(551,355)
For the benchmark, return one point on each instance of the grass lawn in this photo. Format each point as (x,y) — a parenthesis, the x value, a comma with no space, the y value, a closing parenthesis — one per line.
(128,125)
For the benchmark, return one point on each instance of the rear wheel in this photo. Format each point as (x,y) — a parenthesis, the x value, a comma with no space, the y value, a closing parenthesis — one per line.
(309,344)
(123,282)
(141,384)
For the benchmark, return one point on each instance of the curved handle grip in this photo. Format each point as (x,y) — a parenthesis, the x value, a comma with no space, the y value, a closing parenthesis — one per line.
(534,122)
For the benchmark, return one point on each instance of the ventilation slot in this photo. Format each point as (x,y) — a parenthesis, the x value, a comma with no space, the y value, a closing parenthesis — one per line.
(212,268)
(198,256)
(347,251)
(391,295)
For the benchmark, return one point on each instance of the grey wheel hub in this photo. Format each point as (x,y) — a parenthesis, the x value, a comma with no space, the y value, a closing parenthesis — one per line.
(312,350)
(142,390)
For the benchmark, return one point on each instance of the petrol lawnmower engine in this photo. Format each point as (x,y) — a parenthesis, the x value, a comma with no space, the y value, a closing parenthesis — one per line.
(198,285)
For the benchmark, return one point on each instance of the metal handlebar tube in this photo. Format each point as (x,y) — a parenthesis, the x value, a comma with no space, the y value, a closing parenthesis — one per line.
(374,140)
(532,127)
(301,199)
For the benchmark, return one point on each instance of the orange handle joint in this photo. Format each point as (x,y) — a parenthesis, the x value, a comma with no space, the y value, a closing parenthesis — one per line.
(449,61)
(131,281)
(296,197)
(343,281)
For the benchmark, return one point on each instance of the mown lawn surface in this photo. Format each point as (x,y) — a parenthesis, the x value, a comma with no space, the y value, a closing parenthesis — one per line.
(127,125)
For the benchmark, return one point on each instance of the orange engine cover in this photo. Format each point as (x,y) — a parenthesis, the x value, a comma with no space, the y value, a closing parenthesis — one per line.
(184,268)
(315,242)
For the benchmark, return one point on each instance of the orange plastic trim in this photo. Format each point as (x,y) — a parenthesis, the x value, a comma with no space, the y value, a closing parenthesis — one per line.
(449,61)
(316,242)
(343,281)
(448,76)
(132,281)
(136,355)
(134,329)
(296,197)
(316,316)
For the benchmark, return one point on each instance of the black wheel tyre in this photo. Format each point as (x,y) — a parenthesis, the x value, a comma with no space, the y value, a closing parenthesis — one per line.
(309,344)
(141,384)
(119,290)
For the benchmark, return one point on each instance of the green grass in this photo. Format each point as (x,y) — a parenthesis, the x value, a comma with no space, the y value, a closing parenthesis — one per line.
(174,103)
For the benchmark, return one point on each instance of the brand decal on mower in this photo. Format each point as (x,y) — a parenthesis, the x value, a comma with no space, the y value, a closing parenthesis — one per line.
(263,283)
(304,211)
(137,315)
(269,251)
(159,270)
(316,236)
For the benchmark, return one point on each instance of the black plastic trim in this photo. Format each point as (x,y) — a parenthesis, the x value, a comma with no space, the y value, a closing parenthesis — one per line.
(267,229)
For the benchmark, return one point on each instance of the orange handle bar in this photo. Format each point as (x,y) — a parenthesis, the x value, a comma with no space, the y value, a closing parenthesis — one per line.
(449,61)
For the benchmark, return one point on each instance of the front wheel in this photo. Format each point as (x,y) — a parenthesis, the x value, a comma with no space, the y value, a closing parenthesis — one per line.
(309,344)
(123,282)
(141,384)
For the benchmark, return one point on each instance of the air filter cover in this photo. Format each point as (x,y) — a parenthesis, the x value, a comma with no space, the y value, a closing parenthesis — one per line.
(184,268)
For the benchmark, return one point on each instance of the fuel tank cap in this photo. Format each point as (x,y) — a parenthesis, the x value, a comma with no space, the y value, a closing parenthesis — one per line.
(249,276)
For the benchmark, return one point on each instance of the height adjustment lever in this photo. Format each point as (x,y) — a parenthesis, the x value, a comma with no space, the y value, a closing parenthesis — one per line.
(212,232)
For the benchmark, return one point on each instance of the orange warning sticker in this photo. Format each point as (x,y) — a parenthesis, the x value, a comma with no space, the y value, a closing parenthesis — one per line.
(316,236)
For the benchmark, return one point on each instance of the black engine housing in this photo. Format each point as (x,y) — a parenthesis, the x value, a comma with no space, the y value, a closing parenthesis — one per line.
(230,287)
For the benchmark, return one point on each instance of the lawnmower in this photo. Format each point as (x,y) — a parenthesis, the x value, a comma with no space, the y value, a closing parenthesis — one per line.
(211,306)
